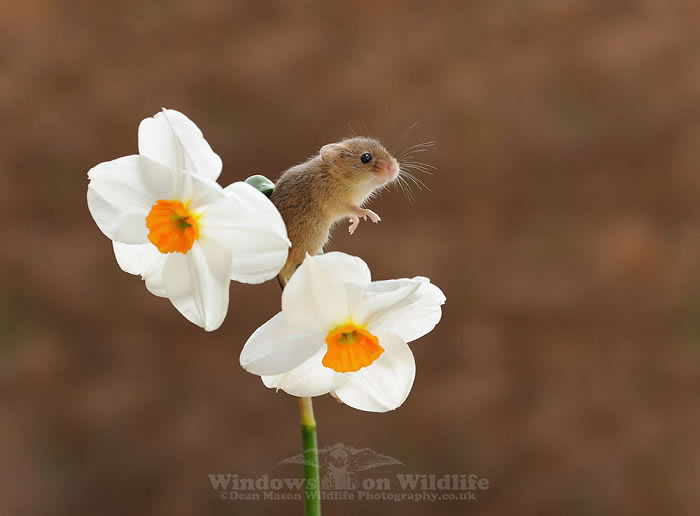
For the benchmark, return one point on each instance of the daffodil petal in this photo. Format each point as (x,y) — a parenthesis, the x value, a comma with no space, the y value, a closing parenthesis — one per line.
(409,308)
(138,259)
(204,193)
(154,284)
(253,201)
(197,283)
(368,302)
(385,384)
(170,138)
(311,378)
(275,347)
(122,192)
(144,260)
(247,222)
(315,295)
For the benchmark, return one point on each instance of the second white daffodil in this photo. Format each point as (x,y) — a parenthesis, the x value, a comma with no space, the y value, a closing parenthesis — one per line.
(171,223)
(341,333)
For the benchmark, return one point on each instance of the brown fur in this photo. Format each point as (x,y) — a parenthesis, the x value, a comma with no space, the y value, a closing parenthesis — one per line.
(314,195)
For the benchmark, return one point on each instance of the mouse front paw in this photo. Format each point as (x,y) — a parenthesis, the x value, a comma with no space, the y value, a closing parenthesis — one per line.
(372,216)
(363,213)
(354,222)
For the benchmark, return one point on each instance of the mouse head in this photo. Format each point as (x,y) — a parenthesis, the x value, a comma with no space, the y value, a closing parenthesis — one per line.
(361,159)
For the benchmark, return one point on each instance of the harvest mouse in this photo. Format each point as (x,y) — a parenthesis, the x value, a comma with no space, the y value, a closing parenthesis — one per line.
(330,186)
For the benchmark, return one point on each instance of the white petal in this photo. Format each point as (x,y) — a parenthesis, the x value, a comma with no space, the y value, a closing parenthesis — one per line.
(384,385)
(197,282)
(248,222)
(250,200)
(409,308)
(122,192)
(311,378)
(174,140)
(275,347)
(145,260)
(315,295)
(138,259)
(154,284)
(370,301)
(204,192)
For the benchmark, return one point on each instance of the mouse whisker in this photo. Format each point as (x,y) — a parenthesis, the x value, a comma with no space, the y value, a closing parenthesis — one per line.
(414,160)
(419,147)
(422,145)
(420,184)
(420,167)
(405,188)
(413,170)
(364,124)
(401,138)
(411,154)
(401,183)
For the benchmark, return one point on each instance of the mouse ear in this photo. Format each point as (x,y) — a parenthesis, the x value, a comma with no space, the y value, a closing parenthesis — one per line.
(331,151)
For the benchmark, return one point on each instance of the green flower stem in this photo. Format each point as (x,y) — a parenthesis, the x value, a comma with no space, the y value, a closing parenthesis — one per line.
(312,484)
(312,480)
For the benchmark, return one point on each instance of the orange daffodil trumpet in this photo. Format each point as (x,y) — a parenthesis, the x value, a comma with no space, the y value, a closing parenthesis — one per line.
(341,333)
(174,225)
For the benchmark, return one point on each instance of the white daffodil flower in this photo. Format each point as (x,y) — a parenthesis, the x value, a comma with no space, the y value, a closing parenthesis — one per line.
(341,333)
(174,225)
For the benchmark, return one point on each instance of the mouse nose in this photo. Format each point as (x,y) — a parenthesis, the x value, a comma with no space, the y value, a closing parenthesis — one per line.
(391,170)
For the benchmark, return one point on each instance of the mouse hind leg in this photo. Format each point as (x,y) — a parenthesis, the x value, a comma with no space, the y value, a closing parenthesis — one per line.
(297,253)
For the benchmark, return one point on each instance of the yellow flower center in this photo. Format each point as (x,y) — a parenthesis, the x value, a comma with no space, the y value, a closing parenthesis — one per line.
(172,227)
(350,348)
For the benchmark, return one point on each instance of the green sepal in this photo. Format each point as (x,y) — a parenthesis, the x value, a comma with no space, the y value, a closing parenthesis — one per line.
(261,183)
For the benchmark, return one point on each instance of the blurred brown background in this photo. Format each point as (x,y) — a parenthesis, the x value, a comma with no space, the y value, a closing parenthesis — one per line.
(562,223)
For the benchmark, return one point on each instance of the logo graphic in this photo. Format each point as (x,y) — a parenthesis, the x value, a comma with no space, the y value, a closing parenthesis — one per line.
(340,463)
(350,474)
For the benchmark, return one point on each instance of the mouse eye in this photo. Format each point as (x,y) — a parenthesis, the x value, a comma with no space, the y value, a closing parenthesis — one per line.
(366,157)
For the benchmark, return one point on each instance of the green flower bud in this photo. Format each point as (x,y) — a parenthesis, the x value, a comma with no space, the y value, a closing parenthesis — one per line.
(261,183)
